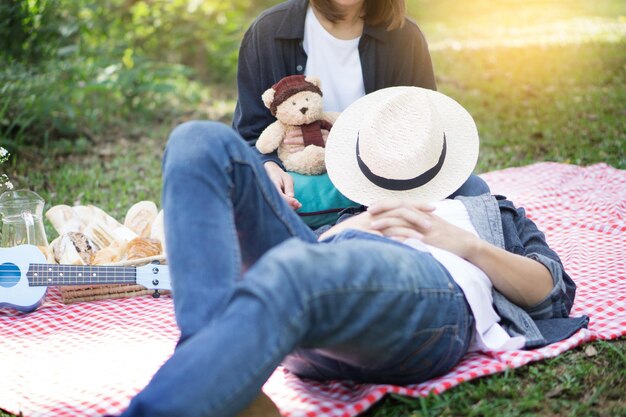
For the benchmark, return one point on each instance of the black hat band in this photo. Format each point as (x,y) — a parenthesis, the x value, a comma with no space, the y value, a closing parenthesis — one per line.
(397,184)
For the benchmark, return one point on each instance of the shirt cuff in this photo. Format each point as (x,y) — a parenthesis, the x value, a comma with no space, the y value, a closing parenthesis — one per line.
(553,306)
(269,157)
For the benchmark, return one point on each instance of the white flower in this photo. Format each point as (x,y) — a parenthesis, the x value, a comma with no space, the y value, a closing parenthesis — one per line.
(4,179)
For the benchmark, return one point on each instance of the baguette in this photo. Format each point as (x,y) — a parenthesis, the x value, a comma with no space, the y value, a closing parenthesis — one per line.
(140,217)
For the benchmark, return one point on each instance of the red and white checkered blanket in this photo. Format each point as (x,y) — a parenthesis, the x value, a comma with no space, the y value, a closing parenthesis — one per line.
(88,359)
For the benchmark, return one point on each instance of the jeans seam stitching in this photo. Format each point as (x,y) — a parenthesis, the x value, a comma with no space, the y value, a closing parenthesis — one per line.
(237,260)
(441,330)
(268,200)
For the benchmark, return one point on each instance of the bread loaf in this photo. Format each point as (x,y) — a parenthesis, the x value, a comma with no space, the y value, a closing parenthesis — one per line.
(64,219)
(46,250)
(140,216)
(72,248)
(143,247)
(111,254)
(104,229)
(157,231)
(85,214)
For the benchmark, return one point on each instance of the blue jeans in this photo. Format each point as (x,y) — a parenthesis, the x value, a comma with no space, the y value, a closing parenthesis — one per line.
(253,288)
(473,186)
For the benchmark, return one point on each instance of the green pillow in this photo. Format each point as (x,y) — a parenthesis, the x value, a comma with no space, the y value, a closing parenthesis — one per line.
(321,201)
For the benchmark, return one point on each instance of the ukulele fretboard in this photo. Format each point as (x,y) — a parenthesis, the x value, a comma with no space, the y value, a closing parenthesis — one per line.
(50,274)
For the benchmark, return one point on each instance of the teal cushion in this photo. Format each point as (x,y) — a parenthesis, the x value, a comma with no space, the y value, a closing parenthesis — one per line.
(321,201)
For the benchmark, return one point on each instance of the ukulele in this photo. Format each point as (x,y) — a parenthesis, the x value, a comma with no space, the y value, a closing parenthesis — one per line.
(25,276)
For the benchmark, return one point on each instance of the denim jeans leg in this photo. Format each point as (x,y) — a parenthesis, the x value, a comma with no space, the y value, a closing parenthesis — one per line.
(473,186)
(424,329)
(383,308)
(220,209)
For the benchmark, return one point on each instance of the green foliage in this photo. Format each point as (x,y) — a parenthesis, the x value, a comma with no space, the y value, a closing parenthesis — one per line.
(76,68)
(76,97)
(29,30)
(203,35)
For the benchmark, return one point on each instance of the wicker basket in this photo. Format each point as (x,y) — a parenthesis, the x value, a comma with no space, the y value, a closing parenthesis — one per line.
(77,293)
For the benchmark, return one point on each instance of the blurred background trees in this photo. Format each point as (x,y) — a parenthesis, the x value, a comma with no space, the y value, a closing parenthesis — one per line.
(72,68)
(531,72)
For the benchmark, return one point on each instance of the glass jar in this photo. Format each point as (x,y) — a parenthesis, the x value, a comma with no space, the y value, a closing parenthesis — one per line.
(21,212)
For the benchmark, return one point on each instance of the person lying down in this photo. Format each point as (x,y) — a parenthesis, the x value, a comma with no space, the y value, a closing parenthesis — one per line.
(395,293)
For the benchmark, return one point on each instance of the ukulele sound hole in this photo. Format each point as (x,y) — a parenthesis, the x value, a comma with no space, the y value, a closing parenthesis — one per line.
(9,275)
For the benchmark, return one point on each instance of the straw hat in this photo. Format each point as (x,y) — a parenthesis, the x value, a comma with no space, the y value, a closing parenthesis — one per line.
(401,142)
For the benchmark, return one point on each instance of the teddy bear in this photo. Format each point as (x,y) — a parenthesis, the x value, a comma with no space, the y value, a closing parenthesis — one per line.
(296,102)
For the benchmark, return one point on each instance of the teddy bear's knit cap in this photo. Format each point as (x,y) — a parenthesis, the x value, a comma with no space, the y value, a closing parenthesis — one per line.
(288,86)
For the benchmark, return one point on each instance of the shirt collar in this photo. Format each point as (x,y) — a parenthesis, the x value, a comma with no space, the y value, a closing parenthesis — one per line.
(378,32)
(292,24)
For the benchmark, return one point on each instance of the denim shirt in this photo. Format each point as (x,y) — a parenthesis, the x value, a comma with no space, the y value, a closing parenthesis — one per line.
(272,49)
(500,223)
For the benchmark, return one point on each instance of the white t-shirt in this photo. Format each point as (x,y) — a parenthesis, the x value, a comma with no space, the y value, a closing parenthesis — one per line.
(336,62)
(488,334)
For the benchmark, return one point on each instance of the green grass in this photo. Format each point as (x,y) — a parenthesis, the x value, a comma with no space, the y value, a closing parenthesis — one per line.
(549,99)
(112,176)
(502,21)
(588,381)
(552,103)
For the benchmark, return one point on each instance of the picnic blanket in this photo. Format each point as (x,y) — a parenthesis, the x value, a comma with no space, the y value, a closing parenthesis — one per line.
(90,358)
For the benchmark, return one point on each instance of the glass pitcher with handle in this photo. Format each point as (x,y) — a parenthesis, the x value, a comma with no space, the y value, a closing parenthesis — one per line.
(21,213)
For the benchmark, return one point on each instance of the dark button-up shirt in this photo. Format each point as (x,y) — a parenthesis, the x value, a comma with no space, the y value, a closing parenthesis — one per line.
(272,49)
